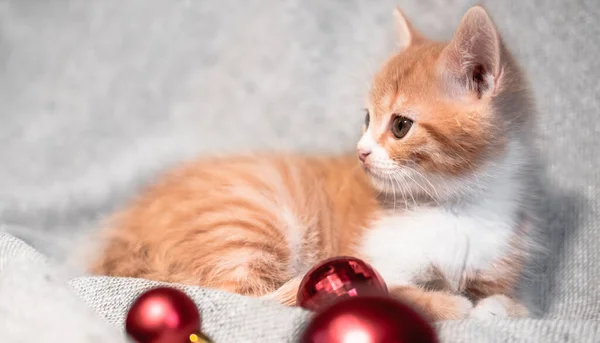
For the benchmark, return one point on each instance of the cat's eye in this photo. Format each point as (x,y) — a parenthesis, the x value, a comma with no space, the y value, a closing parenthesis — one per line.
(367,118)
(401,126)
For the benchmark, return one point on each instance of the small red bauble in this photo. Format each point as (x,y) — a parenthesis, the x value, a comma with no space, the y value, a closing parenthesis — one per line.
(163,315)
(368,320)
(338,278)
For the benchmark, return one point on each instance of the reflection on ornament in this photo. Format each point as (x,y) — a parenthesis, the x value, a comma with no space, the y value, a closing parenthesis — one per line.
(164,315)
(338,278)
(368,319)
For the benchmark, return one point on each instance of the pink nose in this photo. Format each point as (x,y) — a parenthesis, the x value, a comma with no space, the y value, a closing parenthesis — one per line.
(363,154)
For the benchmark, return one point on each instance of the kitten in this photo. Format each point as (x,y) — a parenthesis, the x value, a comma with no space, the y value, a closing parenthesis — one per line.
(437,201)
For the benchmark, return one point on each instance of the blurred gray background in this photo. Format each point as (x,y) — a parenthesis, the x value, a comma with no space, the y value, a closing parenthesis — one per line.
(97,97)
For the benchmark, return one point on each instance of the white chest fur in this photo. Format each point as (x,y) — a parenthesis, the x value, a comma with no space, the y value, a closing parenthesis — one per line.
(404,245)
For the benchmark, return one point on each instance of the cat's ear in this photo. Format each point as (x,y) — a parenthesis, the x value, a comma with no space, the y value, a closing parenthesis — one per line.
(405,31)
(472,59)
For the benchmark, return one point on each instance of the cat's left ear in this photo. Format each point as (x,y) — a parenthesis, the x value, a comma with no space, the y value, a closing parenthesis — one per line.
(472,60)
(407,34)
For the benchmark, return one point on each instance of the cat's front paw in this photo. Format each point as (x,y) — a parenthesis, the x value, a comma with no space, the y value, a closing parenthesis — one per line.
(434,305)
(462,307)
(498,306)
(449,307)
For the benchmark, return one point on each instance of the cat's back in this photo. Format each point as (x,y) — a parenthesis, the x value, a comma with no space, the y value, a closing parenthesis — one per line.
(288,205)
(268,182)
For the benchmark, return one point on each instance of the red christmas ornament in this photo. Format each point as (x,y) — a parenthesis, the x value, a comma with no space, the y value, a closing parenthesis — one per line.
(164,315)
(368,320)
(338,278)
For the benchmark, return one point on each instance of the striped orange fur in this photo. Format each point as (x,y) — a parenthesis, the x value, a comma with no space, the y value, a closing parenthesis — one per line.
(230,223)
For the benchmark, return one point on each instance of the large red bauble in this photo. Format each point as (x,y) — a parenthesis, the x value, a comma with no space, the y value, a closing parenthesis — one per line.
(368,320)
(163,315)
(338,278)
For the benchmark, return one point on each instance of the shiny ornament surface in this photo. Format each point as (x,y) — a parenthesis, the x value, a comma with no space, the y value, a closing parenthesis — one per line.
(163,315)
(368,320)
(336,279)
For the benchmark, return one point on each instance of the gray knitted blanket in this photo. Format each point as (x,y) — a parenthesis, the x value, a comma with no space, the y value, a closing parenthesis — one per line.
(97,97)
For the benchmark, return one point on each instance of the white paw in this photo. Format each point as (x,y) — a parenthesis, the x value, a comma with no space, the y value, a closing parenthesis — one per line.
(495,306)
(463,305)
(456,308)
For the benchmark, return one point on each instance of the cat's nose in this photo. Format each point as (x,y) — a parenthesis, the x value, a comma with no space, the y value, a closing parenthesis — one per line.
(363,153)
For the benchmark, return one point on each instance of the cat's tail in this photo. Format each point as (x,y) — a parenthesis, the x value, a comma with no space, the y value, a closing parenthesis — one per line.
(286,294)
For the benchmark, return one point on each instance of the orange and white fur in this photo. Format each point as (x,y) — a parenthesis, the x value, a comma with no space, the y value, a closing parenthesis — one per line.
(437,200)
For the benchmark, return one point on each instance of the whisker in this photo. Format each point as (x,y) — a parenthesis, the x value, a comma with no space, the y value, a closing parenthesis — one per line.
(421,186)
(403,195)
(402,188)
(385,190)
(394,192)
(424,178)
(411,194)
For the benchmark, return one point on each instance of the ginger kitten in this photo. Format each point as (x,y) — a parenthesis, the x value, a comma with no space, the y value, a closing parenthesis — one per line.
(437,200)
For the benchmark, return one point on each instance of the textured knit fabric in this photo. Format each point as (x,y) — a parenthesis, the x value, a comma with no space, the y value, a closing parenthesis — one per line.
(98,97)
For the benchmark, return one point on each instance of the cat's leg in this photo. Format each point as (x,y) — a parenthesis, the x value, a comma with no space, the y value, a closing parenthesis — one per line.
(498,306)
(120,253)
(495,298)
(434,305)
(245,267)
(286,294)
